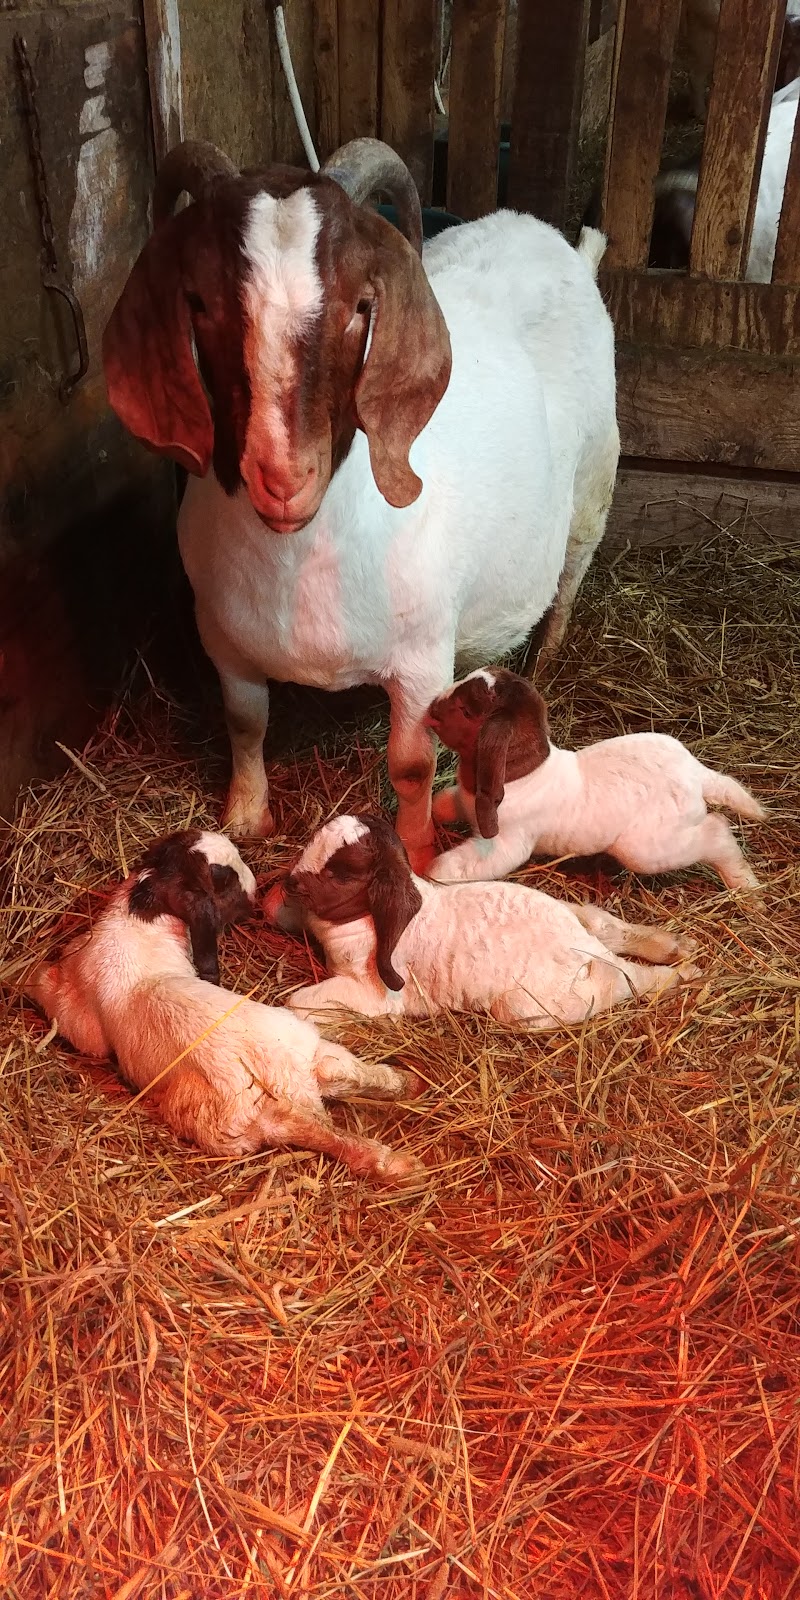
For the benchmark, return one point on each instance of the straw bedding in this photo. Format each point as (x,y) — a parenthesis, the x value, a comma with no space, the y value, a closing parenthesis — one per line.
(569,1367)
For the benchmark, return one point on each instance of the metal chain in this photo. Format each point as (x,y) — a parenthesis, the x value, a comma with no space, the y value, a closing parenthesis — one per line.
(51,277)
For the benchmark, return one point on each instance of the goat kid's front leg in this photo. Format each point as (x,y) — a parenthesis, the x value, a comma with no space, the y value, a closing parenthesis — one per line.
(246,701)
(412,765)
(480,860)
(319,1002)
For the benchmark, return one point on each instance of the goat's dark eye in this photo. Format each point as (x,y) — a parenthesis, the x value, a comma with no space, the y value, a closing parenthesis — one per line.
(364,308)
(194,301)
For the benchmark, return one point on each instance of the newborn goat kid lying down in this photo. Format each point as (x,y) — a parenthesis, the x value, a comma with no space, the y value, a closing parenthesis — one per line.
(395,943)
(246,1075)
(640,798)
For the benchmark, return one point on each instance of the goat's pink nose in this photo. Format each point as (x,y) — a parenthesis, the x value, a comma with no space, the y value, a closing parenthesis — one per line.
(284,487)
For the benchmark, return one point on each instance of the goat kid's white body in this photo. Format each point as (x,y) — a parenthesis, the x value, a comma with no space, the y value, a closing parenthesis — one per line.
(245,1075)
(499,948)
(517,465)
(640,798)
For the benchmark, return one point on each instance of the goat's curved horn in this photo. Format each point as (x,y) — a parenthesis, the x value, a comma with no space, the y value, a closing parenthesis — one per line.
(367,167)
(191,166)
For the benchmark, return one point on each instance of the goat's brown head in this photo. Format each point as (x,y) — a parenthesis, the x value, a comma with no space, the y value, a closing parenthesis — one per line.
(199,878)
(310,316)
(497,724)
(354,867)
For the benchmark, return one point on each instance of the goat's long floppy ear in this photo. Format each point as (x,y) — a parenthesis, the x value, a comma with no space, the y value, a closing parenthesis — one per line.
(393,899)
(490,771)
(407,368)
(151,376)
(203,922)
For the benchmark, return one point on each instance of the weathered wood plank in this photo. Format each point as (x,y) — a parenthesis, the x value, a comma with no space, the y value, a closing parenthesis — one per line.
(672,507)
(406,118)
(474,138)
(551,50)
(748,44)
(703,406)
(359,38)
(645,44)
(325,43)
(670,309)
(162,31)
(786,268)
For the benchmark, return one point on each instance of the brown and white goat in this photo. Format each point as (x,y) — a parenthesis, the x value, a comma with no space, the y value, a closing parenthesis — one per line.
(397,945)
(641,798)
(398,461)
(223,1071)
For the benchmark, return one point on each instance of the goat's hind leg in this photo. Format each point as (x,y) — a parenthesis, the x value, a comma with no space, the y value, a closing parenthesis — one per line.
(342,1076)
(586,530)
(635,938)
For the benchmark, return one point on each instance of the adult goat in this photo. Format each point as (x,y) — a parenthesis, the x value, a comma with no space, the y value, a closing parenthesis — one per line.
(377,509)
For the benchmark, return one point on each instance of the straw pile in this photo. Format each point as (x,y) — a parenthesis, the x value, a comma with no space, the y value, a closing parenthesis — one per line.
(570,1366)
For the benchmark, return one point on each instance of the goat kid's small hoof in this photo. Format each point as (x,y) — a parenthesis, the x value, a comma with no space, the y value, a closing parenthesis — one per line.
(686,948)
(401,1172)
(688,972)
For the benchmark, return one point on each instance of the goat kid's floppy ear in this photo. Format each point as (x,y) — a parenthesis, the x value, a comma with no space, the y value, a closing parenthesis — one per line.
(490,772)
(393,899)
(151,376)
(203,923)
(407,369)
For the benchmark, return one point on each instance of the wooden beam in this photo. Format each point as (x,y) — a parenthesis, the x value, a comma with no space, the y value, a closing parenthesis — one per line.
(673,310)
(551,50)
(786,268)
(645,45)
(359,37)
(476,66)
(722,408)
(162,31)
(325,46)
(406,117)
(746,59)
(667,507)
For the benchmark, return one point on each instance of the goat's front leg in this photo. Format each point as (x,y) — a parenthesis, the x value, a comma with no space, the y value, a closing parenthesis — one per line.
(480,860)
(246,700)
(412,764)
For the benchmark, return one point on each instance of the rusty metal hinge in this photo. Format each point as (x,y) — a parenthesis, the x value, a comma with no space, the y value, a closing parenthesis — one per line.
(51,277)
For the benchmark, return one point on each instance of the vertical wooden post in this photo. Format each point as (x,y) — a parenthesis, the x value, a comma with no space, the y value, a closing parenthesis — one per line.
(551,49)
(406,114)
(359,38)
(745,62)
(325,36)
(645,44)
(162,32)
(476,66)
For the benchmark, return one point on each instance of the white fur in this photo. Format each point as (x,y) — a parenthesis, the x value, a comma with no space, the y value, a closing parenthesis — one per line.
(494,947)
(517,464)
(220,851)
(640,798)
(227,1072)
(339,831)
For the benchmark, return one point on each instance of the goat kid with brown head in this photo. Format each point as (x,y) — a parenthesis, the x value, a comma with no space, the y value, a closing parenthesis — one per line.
(397,945)
(223,1071)
(641,798)
(377,487)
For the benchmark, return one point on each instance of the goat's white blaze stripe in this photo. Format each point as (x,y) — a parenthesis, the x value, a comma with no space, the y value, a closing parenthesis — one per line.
(329,839)
(282,295)
(220,851)
(480,672)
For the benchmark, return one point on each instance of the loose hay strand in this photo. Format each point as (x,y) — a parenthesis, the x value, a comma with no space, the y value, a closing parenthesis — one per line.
(570,1365)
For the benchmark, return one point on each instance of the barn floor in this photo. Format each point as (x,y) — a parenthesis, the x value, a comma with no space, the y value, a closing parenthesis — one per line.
(570,1366)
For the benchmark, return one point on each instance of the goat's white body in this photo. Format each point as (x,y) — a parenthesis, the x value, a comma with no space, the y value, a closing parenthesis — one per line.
(640,798)
(492,947)
(235,1075)
(517,465)
(772,184)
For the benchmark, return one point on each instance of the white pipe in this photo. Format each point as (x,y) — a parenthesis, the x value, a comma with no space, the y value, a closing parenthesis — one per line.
(294,93)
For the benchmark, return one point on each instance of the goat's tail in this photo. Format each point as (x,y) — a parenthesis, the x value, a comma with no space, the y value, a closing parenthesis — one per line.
(591,247)
(724,791)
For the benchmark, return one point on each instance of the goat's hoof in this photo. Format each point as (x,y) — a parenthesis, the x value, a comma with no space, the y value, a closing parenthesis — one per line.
(400,1172)
(414,1086)
(687,972)
(685,947)
(247,819)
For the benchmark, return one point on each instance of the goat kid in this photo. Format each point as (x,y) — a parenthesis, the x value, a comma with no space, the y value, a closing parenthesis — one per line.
(397,945)
(226,1073)
(409,460)
(640,798)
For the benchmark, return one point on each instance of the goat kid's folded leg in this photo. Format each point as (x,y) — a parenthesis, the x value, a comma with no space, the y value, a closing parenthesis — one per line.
(479,860)
(319,1002)
(341,1076)
(634,938)
(246,703)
